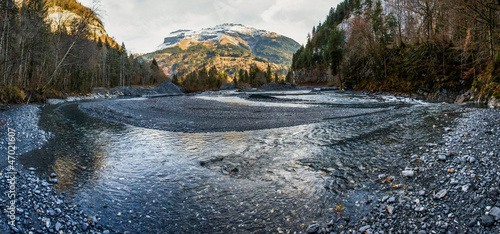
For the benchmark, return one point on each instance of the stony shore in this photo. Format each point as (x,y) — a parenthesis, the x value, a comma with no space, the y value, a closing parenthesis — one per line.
(451,188)
(37,208)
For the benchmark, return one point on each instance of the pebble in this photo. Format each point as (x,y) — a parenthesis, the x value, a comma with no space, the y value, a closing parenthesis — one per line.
(313,228)
(382,177)
(408,173)
(420,209)
(364,228)
(442,157)
(53,180)
(442,193)
(472,160)
(58,226)
(85,226)
(487,220)
(495,212)
(390,209)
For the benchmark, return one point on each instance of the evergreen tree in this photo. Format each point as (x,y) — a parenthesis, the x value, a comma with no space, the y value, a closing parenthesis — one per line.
(269,74)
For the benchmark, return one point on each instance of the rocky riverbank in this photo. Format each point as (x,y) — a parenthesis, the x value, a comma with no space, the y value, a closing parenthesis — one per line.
(451,186)
(25,198)
(39,208)
(24,121)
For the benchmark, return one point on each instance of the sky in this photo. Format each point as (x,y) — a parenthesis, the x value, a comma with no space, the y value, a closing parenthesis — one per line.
(142,24)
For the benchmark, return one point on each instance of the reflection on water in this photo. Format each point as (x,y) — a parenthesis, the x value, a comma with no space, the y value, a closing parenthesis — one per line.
(145,180)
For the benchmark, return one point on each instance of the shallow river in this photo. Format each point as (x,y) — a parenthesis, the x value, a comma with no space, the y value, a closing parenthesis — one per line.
(149,181)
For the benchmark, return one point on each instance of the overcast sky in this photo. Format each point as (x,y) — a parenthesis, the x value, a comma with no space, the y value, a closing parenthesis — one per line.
(142,24)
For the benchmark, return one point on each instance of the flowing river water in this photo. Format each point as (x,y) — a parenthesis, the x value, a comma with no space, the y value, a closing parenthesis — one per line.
(151,181)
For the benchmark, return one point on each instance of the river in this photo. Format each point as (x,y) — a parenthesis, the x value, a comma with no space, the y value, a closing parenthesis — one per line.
(282,179)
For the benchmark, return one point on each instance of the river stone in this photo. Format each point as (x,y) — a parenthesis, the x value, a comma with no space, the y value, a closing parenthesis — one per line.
(487,220)
(364,228)
(313,228)
(58,226)
(441,194)
(408,173)
(495,212)
(390,209)
(54,180)
(85,226)
(442,157)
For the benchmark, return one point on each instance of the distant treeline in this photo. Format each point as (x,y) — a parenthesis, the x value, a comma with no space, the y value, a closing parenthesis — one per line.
(213,79)
(37,62)
(406,46)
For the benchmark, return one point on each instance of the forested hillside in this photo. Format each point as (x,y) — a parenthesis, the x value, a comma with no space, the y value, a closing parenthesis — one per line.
(37,61)
(421,46)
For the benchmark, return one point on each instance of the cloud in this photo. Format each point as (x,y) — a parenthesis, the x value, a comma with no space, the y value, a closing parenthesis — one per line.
(142,24)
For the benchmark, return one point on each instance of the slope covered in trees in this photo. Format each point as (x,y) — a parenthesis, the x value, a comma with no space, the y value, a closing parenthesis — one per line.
(421,46)
(36,62)
(214,78)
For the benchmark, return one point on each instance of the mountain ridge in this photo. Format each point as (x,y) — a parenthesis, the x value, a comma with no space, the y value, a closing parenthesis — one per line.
(229,47)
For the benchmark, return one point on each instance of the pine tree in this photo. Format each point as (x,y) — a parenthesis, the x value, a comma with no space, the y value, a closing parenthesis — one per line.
(269,74)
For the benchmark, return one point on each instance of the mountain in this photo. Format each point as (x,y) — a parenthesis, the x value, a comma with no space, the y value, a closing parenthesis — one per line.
(229,47)
(63,14)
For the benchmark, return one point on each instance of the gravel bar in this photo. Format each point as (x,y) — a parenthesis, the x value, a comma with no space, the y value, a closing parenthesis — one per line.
(191,114)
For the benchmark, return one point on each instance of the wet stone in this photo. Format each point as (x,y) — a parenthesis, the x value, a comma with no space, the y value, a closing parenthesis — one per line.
(313,228)
(58,226)
(364,228)
(495,212)
(487,220)
(441,194)
(408,173)
(53,180)
(85,226)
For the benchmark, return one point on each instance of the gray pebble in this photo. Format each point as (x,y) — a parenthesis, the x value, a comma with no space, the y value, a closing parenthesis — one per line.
(440,194)
(495,212)
(487,220)
(313,228)
(364,228)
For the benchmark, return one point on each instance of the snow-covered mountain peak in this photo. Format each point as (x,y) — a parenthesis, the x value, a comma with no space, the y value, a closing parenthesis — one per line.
(213,34)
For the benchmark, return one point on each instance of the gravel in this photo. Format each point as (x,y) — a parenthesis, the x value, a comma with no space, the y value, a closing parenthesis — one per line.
(191,114)
(24,120)
(458,195)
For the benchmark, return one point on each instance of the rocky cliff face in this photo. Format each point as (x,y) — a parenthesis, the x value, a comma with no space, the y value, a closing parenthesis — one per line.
(63,15)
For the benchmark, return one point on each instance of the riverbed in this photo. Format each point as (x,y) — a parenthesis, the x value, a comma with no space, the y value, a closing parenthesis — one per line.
(232,163)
